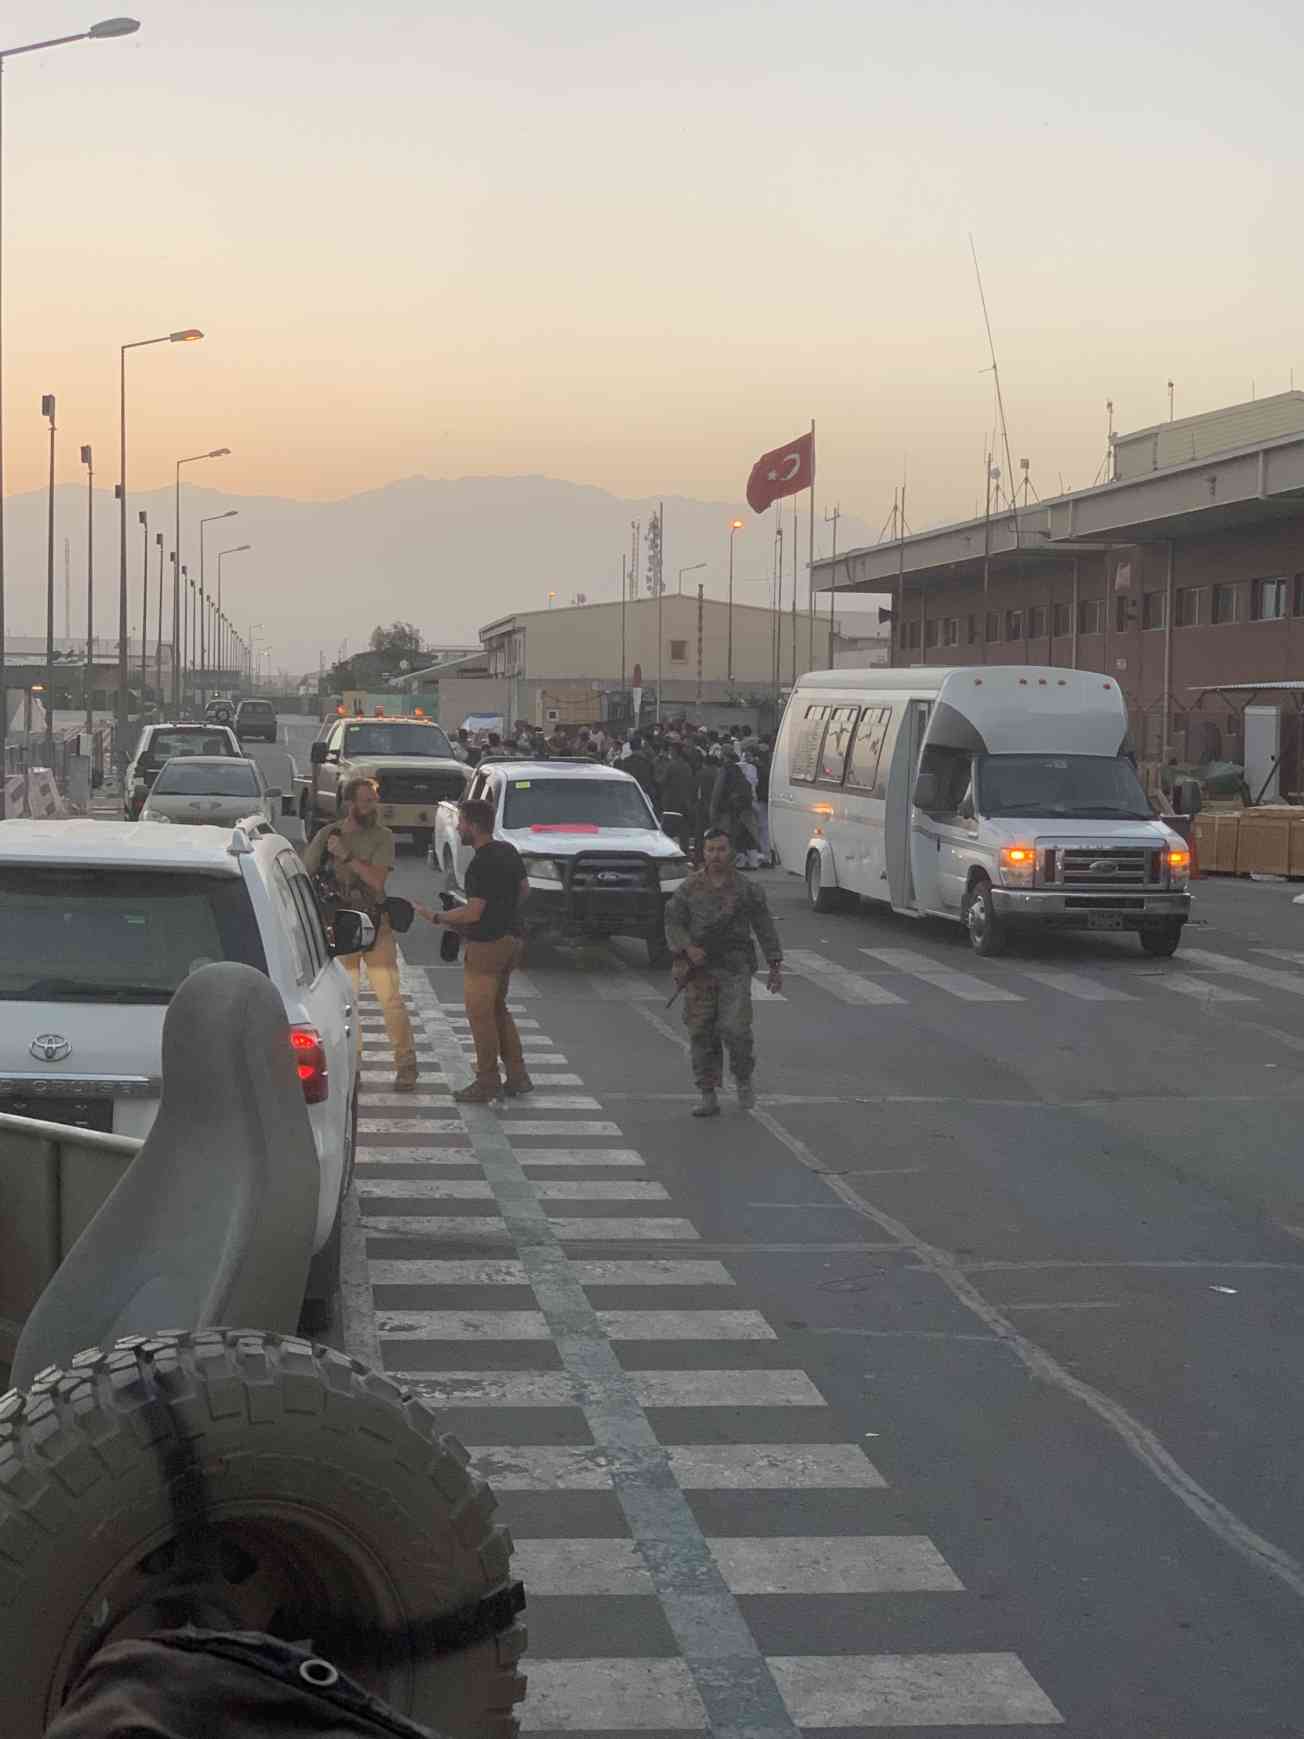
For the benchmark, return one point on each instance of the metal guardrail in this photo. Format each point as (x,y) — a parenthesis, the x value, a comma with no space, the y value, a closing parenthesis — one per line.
(53,1180)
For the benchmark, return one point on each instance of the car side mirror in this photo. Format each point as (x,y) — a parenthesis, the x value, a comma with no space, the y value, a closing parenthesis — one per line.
(672,823)
(1187,797)
(352,933)
(274,791)
(927,792)
(317,754)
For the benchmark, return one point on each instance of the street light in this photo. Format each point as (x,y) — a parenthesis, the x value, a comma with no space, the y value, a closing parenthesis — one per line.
(106,28)
(231,513)
(158,644)
(194,458)
(87,460)
(683,571)
(47,410)
(235,550)
(735,526)
(143,520)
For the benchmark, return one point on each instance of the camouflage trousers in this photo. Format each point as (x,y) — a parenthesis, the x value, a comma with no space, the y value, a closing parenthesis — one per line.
(718,1015)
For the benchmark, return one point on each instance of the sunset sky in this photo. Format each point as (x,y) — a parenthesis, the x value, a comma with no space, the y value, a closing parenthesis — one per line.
(634,246)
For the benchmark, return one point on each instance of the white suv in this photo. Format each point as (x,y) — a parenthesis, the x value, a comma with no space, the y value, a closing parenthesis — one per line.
(101,921)
(598,862)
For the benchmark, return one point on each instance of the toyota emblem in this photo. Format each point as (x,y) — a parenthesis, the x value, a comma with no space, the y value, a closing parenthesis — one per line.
(50,1048)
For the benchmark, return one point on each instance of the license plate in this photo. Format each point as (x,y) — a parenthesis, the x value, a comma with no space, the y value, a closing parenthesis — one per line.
(1104,920)
(79,1113)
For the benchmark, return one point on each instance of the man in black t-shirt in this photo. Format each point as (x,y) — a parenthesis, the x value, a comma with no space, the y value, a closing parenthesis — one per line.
(489,924)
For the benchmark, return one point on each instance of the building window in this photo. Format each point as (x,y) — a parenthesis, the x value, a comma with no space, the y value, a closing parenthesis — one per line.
(1268,600)
(1122,615)
(1187,609)
(679,652)
(1014,624)
(1223,604)
(971,629)
(1298,603)
(933,631)
(993,628)
(912,636)
(1036,622)
(1091,616)
(1154,609)
(951,631)
(1062,620)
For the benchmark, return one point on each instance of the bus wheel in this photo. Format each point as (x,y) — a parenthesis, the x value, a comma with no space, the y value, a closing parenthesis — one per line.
(822,899)
(987,934)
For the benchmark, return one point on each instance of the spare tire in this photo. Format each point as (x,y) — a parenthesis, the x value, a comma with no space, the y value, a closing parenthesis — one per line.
(334,1507)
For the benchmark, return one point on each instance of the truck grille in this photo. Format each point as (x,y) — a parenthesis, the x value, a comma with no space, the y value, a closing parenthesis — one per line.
(611,873)
(1089,868)
(426,788)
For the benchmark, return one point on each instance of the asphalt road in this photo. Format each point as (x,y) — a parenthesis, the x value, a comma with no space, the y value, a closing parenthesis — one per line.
(965,1388)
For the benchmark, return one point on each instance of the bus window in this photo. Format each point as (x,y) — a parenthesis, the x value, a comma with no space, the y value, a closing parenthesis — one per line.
(862,769)
(837,740)
(806,745)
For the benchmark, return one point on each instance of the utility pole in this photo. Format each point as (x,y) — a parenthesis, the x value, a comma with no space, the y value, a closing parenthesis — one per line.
(701,612)
(832,519)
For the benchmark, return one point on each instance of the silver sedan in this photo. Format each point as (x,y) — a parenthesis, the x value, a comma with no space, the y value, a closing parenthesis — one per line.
(210,790)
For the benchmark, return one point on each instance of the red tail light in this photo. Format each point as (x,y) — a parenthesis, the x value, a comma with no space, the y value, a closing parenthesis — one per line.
(310,1060)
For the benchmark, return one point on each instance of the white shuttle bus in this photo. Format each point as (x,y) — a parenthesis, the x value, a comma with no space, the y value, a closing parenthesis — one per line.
(1000,796)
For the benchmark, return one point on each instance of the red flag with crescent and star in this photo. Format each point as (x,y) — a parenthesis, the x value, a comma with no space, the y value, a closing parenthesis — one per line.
(785,471)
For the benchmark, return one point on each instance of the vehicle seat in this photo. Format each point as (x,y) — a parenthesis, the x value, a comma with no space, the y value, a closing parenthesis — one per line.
(212,1223)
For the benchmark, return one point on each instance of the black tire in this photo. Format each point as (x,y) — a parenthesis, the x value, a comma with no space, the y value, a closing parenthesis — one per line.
(341,1509)
(821,899)
(1161,939)
(322,1290)
(987,934)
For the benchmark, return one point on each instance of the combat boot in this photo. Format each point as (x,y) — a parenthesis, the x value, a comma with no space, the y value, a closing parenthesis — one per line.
(479,1093)
(746,1096)
(708,1105)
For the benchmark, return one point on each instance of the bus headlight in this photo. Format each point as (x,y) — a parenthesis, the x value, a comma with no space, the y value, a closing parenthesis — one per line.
(1018,865)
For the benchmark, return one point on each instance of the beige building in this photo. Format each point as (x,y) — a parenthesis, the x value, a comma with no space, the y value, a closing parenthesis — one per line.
(557,665)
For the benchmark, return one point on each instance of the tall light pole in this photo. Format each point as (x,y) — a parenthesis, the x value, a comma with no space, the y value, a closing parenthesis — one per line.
(106,28)
(158,644)
(235,550)
(193,459)
(87,459)
(47,410)
(188,335)
(143,520)
(231,513)
(735,526)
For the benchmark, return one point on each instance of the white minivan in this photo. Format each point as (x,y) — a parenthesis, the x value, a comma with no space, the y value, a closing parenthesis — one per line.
(997,795)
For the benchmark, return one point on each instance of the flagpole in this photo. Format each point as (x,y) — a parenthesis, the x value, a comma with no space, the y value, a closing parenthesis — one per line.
(794,591)
(624,601)
(661,592)
(810,560)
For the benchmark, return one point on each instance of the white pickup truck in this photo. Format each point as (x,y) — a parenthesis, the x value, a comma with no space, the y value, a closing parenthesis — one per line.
(597,860)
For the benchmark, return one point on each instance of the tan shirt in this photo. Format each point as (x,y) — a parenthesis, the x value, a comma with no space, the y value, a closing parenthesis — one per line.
(371,845)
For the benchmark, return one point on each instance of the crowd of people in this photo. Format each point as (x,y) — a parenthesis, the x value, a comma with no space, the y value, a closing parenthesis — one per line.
(710,778)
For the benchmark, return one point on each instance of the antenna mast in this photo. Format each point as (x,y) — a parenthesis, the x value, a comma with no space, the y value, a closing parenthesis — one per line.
(996,375)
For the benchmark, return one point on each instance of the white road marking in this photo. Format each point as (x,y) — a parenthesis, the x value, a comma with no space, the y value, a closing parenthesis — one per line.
(437,1325)
(428,1271)
(904,1690)
(850,987)
(369,1156)
(543,1467)
(411,1101)
(565,1567)
(652,1273)
(725,1389)
(567,1189)
(612,1695)
(551,1080)
(410,1126)
(1291,982)
(552,1102)
(1075,984)
(493,1388)
(961,984)
(662,1325)
(1187,984)
(460,1023)
(383,1077)
(518,1127)
(627,990)
(529,1041)
(1289,955)
(439,1189)
(446,1229)
(772,1467)
(604,1231)
(579,1156)
(878,1564)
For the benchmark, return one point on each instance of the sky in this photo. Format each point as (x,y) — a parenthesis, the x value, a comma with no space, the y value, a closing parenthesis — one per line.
(633,247)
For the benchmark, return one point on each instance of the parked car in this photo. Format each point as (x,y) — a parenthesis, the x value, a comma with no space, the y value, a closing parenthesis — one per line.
(1003,797)
(159,743)
(101,922)
(256,720)
(411,760)
(211,790)
(596,857)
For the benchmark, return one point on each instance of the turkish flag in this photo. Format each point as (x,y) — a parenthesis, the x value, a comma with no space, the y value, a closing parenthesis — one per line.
(785,471)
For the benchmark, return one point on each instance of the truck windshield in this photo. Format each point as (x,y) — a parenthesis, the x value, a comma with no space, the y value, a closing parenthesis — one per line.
(112,935)
(201,779)
(396,739)
(1086,787)
(580,803)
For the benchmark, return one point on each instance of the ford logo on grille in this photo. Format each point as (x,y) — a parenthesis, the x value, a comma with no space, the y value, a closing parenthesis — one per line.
(50,1047)
(610,876)
(1103,866)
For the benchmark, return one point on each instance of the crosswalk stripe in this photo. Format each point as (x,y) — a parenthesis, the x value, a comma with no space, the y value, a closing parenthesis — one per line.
(1075,984)
(627,990)
(1289,955)
(1187,984)
(445,1229)
(554,1102)
(652,1273)
(961,984)
(1291,982)
(910,1690)
(568,1189)
(847,986)
(772,1467)
(383,1077)
(413,1101)
(460,1023)
(603,1231)
(551,1080)
(520,1126)
(806,1564)
(410,1125)
(428,1271)
(621,1156)
(493,1388)
(437,1325)
(564,1567)
(544,1467)
(663,1325)
(369,1156)
(612,1694)
(742,1388)
(375,1189)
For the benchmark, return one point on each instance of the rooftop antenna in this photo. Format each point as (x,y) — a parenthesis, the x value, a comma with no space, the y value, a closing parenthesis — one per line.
(636,529)
(996,375)
(1170,401)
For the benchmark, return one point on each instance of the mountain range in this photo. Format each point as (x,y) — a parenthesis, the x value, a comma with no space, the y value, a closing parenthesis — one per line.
(446,554)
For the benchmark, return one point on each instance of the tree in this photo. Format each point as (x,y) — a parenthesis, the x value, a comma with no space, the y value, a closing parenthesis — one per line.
(400,640)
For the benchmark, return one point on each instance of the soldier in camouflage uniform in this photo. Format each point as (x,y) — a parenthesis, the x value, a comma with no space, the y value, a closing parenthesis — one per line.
(709,925)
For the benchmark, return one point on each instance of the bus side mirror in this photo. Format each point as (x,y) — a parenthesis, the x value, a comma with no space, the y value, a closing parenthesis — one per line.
(927,792)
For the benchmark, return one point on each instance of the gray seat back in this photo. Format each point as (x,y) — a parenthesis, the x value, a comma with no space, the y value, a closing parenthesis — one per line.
(212,1223)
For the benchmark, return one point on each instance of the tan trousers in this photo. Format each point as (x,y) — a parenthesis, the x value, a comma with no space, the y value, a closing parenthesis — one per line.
(487,972)
(381,962)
